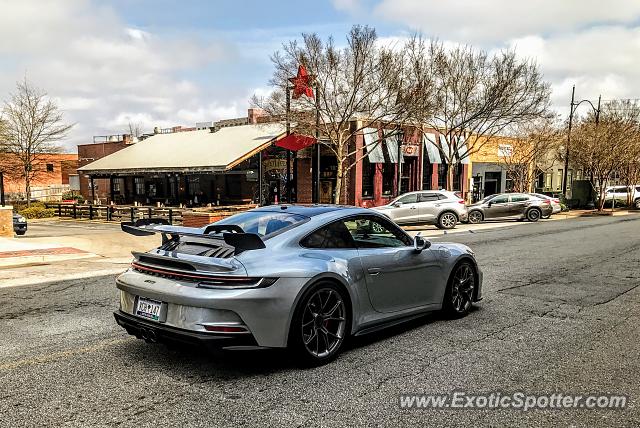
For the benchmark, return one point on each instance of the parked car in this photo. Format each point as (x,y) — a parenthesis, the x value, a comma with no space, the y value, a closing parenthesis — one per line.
(509,205)
(439,207)
(620,195)
(19,224)
(554,202)
(302,277)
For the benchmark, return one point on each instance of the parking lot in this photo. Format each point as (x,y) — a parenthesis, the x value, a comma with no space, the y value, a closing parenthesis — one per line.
(560,313)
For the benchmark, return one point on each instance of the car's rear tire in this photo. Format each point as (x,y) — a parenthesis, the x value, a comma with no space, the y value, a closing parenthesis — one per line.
(320,324)
(534,214)
(475,217)
(460,292)
(636,204)
(21,232)
(546,216)
(447,220)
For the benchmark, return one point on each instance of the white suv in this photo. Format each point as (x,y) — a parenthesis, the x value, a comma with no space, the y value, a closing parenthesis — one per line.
(620,193)
(440,207)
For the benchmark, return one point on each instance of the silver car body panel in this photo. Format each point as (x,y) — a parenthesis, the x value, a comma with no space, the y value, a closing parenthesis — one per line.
(417,207)
(402,283)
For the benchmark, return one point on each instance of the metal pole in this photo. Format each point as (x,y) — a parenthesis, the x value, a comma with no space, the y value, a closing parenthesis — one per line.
(288,151)
(260,184)
(316,170)
(2,188)
(566,157)
(93,190)
(399,165)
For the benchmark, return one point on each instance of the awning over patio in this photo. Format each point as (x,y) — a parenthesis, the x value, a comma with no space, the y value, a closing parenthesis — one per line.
(295,142)
(198,151)
(373,146)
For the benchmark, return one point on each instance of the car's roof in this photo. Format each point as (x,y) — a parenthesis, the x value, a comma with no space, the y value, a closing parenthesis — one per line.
(308,210)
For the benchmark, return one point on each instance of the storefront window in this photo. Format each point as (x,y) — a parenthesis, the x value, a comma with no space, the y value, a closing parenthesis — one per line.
(442,175)
(426,171)
(388,172)
(139,182)
(368,174)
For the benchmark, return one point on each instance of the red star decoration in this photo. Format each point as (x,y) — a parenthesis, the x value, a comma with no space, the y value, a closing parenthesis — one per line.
(302,83)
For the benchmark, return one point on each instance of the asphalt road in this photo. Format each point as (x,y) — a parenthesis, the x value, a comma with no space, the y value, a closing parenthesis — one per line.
(561,313)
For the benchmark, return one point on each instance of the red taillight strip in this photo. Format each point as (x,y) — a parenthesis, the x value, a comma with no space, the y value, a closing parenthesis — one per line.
(160,271)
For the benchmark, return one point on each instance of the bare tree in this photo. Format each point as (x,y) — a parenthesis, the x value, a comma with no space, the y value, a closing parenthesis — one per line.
(602,145)
(629,154)
(470,96)
(134,129)
(32,128)
(530,152)
(357,86)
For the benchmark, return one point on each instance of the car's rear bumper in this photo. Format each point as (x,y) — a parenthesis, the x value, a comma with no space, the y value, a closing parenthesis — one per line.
(265,312)
(154,332)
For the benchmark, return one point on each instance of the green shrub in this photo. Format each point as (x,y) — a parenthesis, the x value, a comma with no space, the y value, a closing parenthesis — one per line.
(73,195)
(37,210)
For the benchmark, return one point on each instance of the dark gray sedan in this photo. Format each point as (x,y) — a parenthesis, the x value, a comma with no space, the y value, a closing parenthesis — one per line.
(517,206)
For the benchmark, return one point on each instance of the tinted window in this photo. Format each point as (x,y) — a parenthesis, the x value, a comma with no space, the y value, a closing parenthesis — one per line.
(441,196)
(263,222)
(408,199)
(335,235)
(368,232)
(428,197)
(519,198)
(500,199)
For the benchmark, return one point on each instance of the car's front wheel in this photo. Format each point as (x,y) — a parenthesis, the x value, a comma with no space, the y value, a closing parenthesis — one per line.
(320,324)
(461,287)
(21,232)
(637,204)
(475,217)
(447,220)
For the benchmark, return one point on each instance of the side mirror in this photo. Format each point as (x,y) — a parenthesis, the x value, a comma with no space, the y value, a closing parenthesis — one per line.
(419,243)
(397,204)
(489,204)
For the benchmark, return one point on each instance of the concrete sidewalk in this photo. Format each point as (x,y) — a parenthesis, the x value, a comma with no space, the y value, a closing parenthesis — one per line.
(18,252)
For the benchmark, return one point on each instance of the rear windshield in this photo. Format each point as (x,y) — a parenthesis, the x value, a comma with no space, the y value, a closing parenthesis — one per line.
(263,223)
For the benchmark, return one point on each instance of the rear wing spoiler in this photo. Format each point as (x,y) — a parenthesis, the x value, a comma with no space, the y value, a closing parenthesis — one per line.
(232,234)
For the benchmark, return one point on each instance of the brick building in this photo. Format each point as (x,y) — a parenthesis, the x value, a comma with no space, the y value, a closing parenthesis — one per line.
(50,180)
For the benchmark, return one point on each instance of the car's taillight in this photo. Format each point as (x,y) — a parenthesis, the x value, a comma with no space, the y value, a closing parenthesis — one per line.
(461,201)
(556,200)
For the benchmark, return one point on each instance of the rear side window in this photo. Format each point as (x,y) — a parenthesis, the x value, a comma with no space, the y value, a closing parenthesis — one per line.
(428,197)
(441,196)
(334,235)
(519,198)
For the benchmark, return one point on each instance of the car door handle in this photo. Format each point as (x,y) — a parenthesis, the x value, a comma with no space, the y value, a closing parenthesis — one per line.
(412,208)
(374,270)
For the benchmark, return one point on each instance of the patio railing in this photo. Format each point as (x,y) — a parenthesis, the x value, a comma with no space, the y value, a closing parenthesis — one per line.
(115,213)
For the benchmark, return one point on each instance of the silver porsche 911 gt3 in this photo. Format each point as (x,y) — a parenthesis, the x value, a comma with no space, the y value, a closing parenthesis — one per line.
(303,277)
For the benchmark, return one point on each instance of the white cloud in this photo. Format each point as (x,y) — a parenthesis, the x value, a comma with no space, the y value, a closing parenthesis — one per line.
(102,72)
(496,20)
(351,6)
(586,43)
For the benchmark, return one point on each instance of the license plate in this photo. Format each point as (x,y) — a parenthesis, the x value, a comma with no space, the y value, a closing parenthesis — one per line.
(148,308)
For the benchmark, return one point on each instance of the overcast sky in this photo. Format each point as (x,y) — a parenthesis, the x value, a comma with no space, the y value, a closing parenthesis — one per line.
(165,63)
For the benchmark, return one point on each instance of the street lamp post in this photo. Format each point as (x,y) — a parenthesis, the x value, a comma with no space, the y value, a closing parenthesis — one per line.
(574,105)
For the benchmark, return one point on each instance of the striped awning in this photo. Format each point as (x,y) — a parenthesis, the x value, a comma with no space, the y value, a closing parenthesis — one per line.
(373,145)
(430,145)
(392,146)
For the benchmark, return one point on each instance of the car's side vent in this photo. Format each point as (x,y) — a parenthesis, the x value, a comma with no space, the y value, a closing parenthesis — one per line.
(221,252)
